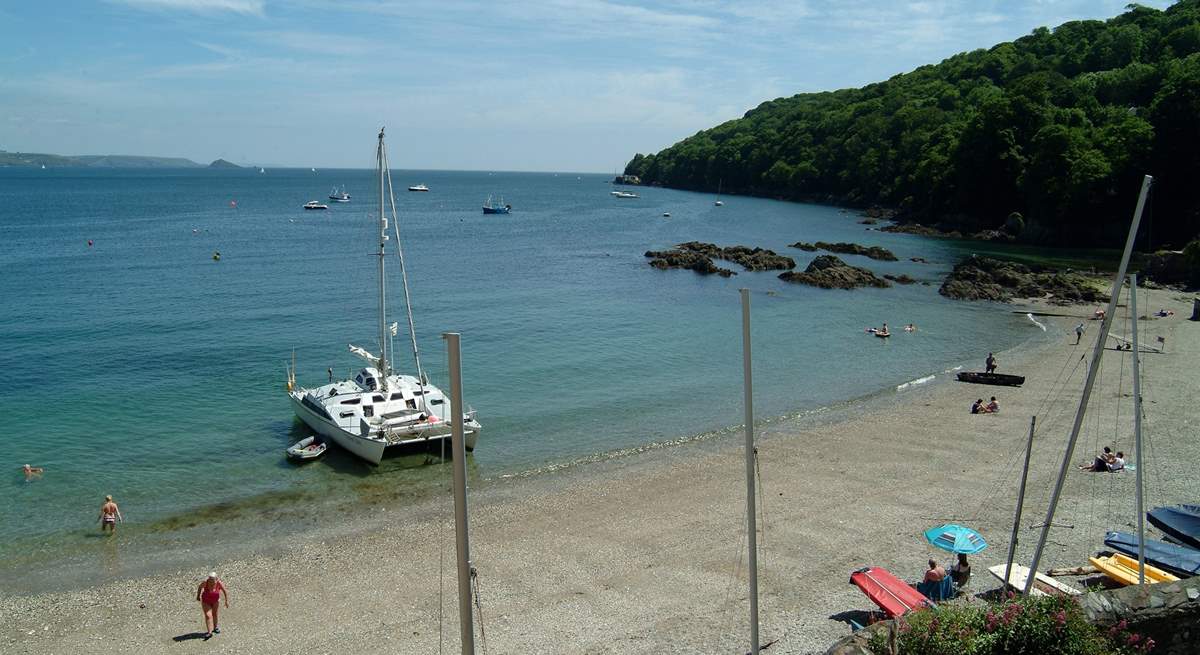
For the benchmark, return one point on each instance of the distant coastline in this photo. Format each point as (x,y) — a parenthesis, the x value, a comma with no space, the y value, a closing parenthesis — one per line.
(37,160)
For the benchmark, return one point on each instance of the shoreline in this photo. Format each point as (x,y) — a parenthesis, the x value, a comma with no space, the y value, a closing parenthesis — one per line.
(640,553)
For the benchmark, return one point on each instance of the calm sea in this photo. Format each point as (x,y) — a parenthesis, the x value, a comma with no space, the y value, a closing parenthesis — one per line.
(137,365)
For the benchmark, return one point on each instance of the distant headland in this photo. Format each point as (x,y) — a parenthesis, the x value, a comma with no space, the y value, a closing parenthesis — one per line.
(39,160)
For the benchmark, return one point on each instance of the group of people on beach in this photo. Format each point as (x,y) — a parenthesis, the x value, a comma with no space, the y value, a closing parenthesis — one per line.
(1106,462)
(960,573)
(992,407)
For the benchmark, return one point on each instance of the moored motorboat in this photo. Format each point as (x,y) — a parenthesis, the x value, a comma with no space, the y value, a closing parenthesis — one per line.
(306,449)
(418,187)
(313,204)
(991,378)
(625,194)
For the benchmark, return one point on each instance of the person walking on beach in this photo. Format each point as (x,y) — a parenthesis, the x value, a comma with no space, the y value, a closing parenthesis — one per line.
(209,595)
(109,515)
(1078,332)
(990,364)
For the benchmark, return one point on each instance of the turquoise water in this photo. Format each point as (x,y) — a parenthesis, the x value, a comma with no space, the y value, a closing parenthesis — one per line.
(140,367)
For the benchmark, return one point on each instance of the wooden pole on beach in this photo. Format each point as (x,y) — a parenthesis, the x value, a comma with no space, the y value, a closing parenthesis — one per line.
(466,628)
(751,523)
(1012,542)
(1093,368)
(1137,432)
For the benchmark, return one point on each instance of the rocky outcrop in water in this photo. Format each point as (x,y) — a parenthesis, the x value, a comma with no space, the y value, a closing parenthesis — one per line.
(985,278)
(829,272)
(698,256)
(900,279)
(843,248)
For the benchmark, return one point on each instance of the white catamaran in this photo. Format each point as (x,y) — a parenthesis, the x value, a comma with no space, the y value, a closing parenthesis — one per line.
(380,408)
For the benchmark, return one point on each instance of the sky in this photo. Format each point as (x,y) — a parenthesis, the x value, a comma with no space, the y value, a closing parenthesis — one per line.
(545,85)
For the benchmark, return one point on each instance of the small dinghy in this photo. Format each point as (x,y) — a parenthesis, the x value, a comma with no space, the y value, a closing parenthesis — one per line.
(991,378)
(306,449)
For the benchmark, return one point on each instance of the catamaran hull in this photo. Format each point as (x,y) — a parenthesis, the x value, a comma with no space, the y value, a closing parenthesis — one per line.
(372,449)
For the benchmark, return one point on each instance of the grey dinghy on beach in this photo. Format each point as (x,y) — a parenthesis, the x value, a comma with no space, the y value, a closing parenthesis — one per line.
(379,408)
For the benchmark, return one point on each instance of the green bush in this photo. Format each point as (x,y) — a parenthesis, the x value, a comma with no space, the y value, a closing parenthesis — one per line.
(1015,224)
(1191,255)
(1051,625)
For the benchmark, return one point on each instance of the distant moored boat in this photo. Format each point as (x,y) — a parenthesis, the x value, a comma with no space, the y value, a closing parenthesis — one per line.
(313,204)
(418,187)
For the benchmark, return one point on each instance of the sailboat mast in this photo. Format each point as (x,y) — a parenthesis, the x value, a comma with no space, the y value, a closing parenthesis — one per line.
(381,158)
(1012,542)
(1137,432)
(462,531)
(1093,368)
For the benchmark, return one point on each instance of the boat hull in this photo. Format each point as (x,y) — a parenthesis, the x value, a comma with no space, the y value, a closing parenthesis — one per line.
(372,449)
(991,378)
(1124,569)
(1043,585)
(1180,560)
(495,210)
(368,449)
(894,596)
(1179,522)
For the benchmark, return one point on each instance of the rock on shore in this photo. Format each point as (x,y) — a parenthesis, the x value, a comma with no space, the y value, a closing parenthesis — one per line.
(984,278)
(844,248)
(829,272)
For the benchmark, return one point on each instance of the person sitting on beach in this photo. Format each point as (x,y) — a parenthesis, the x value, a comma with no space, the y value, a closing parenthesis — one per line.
(960,571)
(1101,462)
(992,407)
(1098,315)
(934,573)
(990,364)
(977,406)
(1117,463)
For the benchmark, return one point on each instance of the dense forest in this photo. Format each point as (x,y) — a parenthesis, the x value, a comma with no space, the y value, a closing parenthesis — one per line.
(1058,126)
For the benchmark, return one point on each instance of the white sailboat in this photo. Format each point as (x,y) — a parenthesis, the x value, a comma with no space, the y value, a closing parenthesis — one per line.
(379,408)
(718,202)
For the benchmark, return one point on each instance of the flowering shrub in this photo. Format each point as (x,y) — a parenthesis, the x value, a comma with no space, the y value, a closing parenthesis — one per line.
(1052,625)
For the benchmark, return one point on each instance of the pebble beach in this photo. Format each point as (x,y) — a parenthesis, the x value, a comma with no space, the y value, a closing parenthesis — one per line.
(646,553)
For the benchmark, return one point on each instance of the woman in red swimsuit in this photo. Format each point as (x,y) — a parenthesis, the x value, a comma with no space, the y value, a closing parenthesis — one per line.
(209,594)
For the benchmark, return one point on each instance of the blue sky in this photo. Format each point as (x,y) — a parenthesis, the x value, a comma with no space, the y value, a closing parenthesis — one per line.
(549,85)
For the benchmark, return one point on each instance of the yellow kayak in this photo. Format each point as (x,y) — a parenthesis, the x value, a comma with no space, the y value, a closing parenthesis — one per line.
(1124,569)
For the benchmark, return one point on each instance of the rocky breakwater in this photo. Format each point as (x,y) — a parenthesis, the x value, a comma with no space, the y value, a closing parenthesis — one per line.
(843,248)
(829,272)
(698,256)
(984,278)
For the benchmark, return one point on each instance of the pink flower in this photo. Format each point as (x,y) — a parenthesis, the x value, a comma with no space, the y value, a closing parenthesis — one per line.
(1133,639)
(1147,645)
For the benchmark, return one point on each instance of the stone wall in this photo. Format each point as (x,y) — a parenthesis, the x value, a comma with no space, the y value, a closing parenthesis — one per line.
(1167,613)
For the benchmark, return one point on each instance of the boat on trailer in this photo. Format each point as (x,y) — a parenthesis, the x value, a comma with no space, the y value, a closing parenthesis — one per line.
(380,408)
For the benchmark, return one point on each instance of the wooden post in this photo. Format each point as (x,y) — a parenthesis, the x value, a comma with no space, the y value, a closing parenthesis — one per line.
(1195,309)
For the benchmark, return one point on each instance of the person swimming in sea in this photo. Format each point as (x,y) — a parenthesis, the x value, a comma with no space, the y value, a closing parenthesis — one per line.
(32,471)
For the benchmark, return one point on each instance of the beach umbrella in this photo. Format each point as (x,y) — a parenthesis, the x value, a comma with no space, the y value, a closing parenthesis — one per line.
(956,539)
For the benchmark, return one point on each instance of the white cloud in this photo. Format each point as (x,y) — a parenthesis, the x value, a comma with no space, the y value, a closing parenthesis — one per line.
(250,7)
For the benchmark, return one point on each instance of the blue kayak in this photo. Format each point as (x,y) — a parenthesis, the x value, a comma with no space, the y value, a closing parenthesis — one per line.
(1180,560)
(1179,522)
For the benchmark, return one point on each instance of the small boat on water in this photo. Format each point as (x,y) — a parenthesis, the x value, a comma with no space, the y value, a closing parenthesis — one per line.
(306,449)
(418,187)
(1179,522)
(1124,569)
(489,208)
(1172,558)
(991,378)
(1043,585)
(625,194)
(313,204)
(339,196)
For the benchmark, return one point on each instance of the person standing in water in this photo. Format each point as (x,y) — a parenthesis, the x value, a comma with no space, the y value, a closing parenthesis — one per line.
(109,515)
(209,594)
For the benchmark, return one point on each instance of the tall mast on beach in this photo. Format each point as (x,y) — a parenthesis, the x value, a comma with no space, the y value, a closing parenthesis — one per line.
(751,523)
(1137,432)
(1093,368)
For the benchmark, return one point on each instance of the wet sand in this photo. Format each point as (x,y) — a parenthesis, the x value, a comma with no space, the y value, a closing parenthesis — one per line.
(646,553)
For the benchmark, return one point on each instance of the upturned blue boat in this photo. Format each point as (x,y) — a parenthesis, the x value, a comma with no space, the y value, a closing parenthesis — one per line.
(1179,522)
(1180,560)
